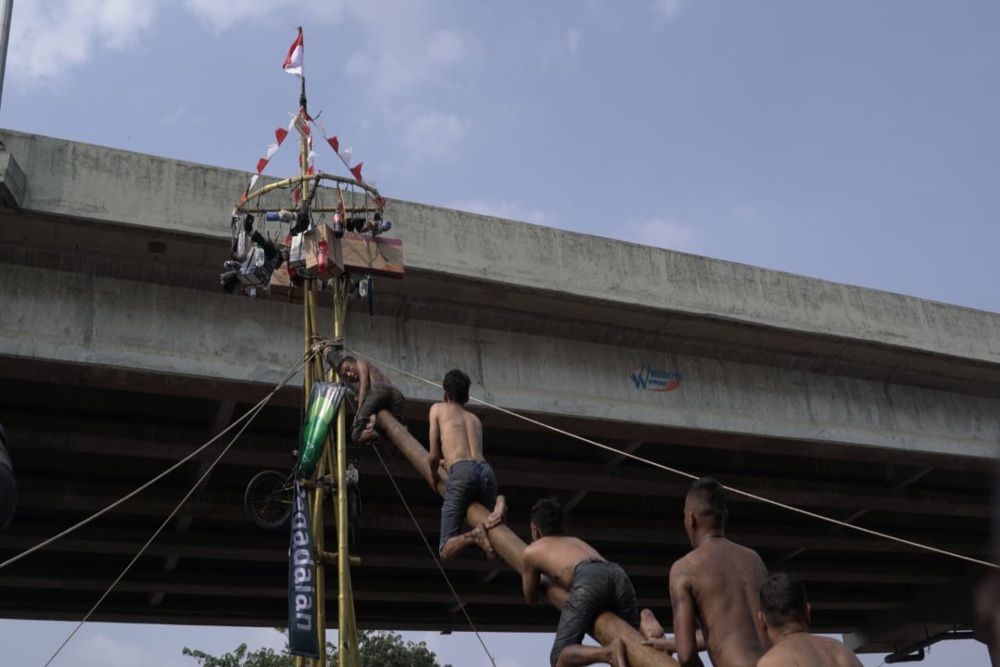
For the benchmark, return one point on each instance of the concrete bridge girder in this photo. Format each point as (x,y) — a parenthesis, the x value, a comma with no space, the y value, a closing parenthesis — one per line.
(159,329)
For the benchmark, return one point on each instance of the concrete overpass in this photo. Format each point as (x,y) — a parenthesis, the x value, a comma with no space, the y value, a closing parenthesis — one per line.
(119,355)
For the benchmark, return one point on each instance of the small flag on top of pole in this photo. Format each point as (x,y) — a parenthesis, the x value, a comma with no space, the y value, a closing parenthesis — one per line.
(294,59)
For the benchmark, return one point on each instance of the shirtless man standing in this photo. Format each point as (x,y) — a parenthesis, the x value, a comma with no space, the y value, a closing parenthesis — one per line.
(8,487)
(375,392)
(784,617)
(717,585)
(986,596)
(594,586)
(456,438)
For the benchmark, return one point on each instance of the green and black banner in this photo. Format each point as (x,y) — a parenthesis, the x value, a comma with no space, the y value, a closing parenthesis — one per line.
(303,638)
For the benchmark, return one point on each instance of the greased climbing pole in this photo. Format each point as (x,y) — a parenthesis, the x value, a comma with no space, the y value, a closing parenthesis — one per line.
(510,547)
(308,259)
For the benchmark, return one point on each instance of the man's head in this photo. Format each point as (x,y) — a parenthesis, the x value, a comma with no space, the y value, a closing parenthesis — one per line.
(783,604)
(456,387)
(546,518)
(347,368)
(704,509)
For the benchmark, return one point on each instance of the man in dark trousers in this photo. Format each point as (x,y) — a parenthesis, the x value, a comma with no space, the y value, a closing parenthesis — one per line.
(456,443)
(594,586)
(986,597)
(375,392)
(8,489)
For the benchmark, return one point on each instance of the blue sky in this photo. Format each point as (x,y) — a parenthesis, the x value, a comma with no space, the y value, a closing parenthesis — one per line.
(850,141)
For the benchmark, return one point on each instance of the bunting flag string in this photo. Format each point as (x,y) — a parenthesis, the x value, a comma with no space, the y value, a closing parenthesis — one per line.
(345,155)
(300,122)
(279,137)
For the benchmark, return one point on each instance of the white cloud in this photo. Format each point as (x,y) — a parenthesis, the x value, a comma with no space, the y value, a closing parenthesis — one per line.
(573,36)
(223,14)
(662,233)
(102,650)
(405,51)
(50,37)
(436,136)
(506,209)
(409,53)
(747,213)
(451,46)
(181,117)
(668,9)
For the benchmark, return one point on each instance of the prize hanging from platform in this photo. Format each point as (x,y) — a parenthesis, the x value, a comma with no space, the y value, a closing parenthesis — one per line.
(317,225)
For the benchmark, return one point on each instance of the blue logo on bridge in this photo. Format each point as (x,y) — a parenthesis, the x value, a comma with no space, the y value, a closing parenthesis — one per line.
(652,379)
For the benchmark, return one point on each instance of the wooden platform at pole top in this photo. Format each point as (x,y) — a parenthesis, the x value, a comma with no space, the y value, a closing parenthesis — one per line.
(510,547)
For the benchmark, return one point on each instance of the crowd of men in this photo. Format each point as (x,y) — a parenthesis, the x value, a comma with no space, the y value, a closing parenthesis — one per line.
(722,597)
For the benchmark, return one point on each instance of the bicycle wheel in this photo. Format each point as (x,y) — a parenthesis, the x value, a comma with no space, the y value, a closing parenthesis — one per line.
(268,499)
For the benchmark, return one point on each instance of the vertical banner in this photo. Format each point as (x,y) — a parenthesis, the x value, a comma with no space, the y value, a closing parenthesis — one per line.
(302,636)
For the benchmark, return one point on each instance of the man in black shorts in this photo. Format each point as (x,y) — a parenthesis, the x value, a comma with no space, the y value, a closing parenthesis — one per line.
(8,489)
(456,442)
(594,586)
(375,392)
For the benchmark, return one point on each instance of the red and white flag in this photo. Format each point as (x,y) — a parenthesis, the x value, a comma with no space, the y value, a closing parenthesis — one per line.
(294,59)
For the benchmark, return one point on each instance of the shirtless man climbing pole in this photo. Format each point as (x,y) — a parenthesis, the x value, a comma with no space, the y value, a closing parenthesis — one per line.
(456,440)
(716,585)
(375,392)
(784,617)
(594,586)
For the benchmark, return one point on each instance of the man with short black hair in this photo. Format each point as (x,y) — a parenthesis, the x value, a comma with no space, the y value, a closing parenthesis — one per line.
(986,596)
(375,392)
(716,586)
(594,586)
(784,617)
(456,440)
(8,488)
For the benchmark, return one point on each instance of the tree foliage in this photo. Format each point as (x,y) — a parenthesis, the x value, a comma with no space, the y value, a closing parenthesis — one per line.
(375,649)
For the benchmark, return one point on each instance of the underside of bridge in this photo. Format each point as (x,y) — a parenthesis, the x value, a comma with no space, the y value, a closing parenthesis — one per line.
(83,439)
(84,434)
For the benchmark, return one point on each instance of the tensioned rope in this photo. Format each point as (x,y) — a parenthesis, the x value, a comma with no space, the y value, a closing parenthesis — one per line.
(156,479)
(248,419)
(437,561)
(675,471)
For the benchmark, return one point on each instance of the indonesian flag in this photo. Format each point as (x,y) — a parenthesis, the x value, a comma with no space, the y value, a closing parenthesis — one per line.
(293,61)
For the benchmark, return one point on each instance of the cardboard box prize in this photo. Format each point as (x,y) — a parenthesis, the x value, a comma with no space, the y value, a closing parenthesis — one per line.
(310,247)
(375,255)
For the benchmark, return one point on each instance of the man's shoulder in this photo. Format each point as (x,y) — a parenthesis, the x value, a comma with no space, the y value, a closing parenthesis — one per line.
(775,656)
(743,551)
(684,566)
(532,552)
(829,643)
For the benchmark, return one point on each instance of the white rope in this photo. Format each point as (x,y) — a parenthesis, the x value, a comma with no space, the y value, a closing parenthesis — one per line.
(745,494)
(434,556)
(248,418)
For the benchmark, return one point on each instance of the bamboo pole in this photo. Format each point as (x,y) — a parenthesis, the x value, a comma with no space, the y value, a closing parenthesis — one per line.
(347,635)
(314,373)
(510,547)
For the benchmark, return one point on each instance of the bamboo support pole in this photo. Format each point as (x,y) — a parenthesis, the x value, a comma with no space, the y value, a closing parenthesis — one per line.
(510,547)
(347,635)
(312,374)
